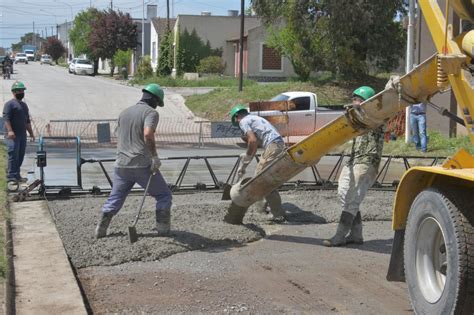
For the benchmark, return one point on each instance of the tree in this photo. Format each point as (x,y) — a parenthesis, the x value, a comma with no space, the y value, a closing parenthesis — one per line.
(165,59)
(80,34)
(191,50)
(29,38)
(55,48)
(111,31)
(342,36)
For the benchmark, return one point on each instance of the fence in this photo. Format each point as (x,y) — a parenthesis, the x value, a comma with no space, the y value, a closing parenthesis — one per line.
(170,131)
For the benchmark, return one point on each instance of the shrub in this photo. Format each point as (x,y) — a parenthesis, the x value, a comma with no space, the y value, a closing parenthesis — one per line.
(211,64)
(144,69)
(122,58)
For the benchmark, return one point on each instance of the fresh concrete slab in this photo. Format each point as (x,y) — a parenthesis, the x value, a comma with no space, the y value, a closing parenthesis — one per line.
(45,283)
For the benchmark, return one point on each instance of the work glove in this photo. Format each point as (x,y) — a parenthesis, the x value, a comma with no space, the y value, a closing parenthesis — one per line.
(155,164)
(245,158)
(241,171)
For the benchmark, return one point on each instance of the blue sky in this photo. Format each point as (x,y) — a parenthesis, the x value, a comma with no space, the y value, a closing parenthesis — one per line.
(17,17)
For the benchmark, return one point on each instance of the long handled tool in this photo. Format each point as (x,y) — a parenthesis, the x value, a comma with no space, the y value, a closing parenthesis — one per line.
(230,180)
(132,231)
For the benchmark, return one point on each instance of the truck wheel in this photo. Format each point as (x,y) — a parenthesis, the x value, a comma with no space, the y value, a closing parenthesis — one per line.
(439,252)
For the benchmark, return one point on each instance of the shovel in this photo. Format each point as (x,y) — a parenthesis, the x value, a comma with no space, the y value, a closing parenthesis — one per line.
(132,231)
(227,185)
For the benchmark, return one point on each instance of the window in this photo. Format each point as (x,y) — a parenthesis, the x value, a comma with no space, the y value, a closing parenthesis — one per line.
(271,59)
(302,103)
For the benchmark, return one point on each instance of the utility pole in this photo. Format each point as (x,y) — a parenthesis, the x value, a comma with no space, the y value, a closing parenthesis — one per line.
(143,28)
(33,38)
(111,4)
(241,44)
(409,60)
(168,14)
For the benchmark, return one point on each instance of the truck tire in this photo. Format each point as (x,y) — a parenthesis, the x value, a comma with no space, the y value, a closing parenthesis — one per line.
(439,252)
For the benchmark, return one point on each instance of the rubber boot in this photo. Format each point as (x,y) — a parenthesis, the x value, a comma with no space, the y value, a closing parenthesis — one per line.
(261,206)
(274,201)
(345,224)
(101,229)
(163,222)
(355,236)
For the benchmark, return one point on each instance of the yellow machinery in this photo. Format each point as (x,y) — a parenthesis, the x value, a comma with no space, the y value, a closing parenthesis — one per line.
(433,217)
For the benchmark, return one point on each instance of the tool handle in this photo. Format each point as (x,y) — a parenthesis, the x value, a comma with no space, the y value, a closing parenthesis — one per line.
(143,199)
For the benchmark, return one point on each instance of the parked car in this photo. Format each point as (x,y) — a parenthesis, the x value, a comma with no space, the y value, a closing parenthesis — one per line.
(46,59)
(72,64)
(83,66)
(21,57)
(305,118)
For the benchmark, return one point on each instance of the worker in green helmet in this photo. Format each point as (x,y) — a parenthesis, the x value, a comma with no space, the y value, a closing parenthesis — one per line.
(257,130)
(356,177)
(17,122)
(138,162)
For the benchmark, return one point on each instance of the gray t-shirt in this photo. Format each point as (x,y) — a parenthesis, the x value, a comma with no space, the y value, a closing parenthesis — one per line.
(131,148)
(263,130)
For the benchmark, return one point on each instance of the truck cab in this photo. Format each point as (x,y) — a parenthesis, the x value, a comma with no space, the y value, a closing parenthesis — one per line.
(304,118)
(30,54)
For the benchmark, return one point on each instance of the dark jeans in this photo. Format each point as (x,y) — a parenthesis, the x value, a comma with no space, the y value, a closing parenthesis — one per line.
(16,152)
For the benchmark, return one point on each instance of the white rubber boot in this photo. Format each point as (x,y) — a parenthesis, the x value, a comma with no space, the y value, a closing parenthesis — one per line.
(355,236)
(103,225)
(163,222)
(343,228)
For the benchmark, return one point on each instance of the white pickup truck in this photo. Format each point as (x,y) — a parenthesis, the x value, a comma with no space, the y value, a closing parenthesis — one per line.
(302,120)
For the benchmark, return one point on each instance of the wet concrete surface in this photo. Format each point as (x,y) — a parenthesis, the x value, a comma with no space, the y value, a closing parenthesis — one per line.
(197,223)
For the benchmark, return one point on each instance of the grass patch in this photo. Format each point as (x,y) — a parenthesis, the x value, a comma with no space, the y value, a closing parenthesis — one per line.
(212,81)
(438,145)
(3,207)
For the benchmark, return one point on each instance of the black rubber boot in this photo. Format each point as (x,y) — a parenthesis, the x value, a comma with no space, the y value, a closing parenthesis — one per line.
(101,229)
(355,236)
(343,228)
(163,222)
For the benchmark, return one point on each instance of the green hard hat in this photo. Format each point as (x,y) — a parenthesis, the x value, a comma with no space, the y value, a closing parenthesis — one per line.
(18,86)
(156,90)
(364,92)
(233,112)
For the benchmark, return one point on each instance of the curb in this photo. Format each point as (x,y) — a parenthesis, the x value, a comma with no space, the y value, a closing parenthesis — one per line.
(10,274)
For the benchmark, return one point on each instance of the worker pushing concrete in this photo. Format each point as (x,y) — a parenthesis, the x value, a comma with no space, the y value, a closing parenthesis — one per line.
(137,161)
(357,176)
(257,130)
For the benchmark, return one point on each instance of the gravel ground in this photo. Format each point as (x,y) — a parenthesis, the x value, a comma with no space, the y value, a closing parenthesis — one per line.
(196,224)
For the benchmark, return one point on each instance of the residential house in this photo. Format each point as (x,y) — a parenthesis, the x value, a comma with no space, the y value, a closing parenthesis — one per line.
(62,31)
(215,29)
(158,30)
(260,62)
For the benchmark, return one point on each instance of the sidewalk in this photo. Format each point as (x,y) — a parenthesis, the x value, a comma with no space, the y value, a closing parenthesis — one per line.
(45,283)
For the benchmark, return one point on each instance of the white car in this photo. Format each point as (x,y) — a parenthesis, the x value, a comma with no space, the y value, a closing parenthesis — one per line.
(21,57)
(71,66)
(83,66)
(46,59)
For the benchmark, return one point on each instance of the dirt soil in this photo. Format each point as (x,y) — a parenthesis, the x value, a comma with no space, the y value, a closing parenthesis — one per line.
(208,266)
